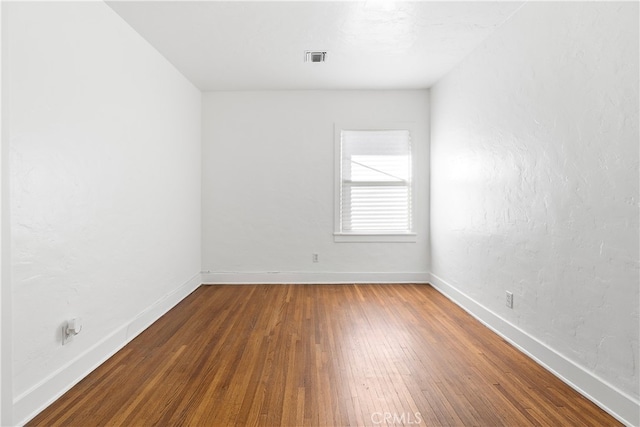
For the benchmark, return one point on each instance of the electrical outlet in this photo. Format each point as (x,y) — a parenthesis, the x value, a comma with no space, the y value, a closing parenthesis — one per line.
(314,257)
(509,299)
(71,329)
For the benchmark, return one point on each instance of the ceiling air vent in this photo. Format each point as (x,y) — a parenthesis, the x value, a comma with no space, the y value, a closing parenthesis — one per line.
(315,56)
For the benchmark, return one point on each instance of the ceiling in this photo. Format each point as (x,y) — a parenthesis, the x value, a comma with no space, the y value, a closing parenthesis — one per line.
(240,45)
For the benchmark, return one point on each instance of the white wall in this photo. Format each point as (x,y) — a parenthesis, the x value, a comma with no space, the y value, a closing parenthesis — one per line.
(5,260)
(268,183)
(534,182)
(105,189)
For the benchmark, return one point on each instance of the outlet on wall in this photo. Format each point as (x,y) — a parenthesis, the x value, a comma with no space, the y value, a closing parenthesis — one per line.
(314,257)
(70,329)
(509,299)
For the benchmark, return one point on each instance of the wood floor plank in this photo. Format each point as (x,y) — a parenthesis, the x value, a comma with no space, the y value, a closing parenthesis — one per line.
(320,355)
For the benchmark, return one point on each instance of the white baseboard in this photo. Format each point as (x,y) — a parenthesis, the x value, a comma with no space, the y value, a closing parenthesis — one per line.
(620,405)
(33,401)
(309,277)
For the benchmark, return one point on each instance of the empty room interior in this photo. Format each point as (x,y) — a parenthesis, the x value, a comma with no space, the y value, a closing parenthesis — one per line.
(320,213)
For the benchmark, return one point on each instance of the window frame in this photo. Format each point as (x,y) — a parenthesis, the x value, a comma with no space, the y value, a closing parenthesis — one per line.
(373,236)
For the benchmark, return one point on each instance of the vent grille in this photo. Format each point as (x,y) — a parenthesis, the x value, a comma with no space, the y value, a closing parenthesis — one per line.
(315,56)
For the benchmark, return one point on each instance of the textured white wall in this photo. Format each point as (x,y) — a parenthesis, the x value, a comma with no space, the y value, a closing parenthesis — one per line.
(105,175)
(6,395)
(268,183)
(535,180)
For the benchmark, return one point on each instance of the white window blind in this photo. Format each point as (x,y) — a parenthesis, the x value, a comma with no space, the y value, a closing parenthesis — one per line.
(375,181)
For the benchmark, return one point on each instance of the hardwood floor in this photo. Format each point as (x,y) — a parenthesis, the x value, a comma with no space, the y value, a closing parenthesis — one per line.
(331,355)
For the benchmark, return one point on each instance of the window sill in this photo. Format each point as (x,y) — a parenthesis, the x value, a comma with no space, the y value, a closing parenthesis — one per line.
(374,238)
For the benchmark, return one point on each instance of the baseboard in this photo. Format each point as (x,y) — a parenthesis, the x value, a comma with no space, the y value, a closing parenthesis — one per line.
(310,277)
(33,401)
(620,405)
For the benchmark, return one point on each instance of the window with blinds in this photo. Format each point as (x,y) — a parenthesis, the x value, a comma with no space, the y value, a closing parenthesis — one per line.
(375,182)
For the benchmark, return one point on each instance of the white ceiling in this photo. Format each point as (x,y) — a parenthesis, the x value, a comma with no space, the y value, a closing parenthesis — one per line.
(239,45)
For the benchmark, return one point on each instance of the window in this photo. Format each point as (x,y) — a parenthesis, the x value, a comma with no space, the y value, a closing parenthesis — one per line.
(374,185)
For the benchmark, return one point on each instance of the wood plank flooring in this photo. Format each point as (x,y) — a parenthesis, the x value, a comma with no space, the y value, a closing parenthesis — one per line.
(320,355)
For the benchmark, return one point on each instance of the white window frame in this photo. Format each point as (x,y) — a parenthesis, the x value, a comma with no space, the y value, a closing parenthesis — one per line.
(377,236)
